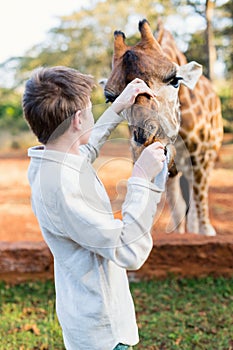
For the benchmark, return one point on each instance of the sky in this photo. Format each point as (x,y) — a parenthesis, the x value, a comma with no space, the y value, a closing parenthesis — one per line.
(24,23)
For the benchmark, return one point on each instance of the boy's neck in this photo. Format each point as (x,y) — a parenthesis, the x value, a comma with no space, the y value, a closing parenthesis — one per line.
(64,145)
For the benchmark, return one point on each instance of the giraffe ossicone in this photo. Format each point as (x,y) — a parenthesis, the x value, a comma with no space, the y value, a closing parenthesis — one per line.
(186,113)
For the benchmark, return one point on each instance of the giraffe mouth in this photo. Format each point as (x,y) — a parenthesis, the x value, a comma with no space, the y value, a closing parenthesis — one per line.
(169,151)
(149,133)
(153,139)
(150,140)
(142,139)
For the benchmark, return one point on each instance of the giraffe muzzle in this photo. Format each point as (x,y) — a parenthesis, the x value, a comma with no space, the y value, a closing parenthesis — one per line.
(142,140)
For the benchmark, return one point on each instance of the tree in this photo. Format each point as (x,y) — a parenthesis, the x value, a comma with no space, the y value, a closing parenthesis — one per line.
(205,9)
(11,110)
(224,35)
(84,40)
(211,51)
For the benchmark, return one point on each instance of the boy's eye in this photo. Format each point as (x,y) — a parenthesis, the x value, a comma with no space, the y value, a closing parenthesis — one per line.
(175,82)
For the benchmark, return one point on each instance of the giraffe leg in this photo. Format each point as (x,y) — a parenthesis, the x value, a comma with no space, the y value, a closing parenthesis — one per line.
(192,217)
(205,227)
(177,205)
(192,221)
(201,198)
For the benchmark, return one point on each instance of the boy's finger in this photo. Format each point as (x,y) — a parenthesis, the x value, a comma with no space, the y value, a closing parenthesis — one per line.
(156,145)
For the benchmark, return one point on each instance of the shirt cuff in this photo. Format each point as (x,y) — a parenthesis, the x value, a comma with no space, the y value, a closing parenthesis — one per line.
(139,181)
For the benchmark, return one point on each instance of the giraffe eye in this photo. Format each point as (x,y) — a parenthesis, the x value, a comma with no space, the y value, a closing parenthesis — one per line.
(175,82)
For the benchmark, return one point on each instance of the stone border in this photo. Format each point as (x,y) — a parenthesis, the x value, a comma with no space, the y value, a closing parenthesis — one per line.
(189,260)
(24,261)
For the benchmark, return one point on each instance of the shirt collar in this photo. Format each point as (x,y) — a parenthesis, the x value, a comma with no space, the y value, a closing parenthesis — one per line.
(73,161)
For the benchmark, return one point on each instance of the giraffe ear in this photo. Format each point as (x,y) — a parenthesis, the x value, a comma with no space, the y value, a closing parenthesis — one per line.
(190,74)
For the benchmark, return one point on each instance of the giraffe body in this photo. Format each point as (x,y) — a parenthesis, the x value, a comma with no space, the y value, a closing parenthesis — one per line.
(201,130)
(188,119)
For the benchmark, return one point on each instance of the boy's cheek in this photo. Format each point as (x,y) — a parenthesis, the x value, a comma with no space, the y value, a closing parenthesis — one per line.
(89,123)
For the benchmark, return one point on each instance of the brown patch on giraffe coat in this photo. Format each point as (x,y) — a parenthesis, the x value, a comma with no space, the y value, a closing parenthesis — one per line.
(205,90)
(187,121)
(195,190)
(192,145)
(184,103)
(205,165)
(192,95)
(198,175)
(202,159)
(202,134)
(198,111)
(183,134)
(201,197)
(193,160)
(216,147)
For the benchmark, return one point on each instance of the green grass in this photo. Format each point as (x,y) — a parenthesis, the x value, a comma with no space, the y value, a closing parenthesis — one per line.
(172,314)
(28,319)
(185,314)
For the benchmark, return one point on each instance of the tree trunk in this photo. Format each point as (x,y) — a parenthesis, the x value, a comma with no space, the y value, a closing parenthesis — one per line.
(210,48)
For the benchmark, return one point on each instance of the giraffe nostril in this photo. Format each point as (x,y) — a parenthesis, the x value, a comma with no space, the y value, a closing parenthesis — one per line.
(139,136)
(110,96)
(142,96)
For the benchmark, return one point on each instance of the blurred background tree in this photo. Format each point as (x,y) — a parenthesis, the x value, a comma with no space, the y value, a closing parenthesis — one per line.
(84,40)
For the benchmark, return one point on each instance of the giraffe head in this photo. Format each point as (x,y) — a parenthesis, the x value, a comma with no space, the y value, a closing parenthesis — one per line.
(149,119)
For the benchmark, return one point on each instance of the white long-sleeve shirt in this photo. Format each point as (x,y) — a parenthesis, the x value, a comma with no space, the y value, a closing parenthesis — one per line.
(91,249)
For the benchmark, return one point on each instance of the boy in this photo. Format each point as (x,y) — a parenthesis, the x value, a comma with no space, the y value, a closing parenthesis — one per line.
(91,249)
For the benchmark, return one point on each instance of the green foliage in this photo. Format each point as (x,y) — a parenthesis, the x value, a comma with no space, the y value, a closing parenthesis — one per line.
(28,318)
(196,45)
(185,314)
(224,35)
(172,314)
(226,97)
(84,40)
(11,111)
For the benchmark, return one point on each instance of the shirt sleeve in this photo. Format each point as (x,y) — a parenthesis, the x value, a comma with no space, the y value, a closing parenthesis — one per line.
(100,133)
(88,221)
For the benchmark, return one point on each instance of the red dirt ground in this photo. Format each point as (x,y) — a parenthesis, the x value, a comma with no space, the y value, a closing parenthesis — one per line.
(17,222)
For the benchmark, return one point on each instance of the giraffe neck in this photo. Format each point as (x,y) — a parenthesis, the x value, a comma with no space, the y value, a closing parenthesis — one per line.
(169,47)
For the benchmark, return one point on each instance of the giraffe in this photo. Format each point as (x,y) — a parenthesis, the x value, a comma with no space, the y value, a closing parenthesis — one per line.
(186,113)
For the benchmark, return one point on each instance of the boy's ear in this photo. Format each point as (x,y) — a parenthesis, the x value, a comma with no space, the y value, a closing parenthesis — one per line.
(76,121)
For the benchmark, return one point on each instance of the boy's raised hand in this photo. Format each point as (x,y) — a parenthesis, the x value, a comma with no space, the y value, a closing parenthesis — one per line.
(151,162)
(129,94)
